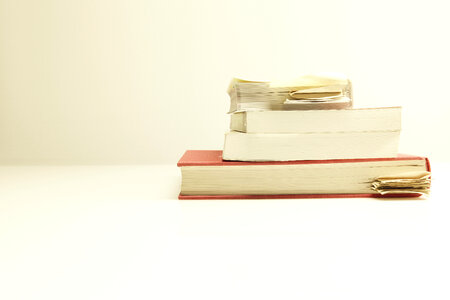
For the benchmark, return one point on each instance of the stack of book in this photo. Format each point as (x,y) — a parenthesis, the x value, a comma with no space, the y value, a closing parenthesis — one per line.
(303,139)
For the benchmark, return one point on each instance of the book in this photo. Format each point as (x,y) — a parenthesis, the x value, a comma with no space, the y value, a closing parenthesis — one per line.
(310,146)
(205,175)
(314,121)
(314,91)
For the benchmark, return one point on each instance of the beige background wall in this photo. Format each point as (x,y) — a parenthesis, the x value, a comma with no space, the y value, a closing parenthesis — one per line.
(96,81)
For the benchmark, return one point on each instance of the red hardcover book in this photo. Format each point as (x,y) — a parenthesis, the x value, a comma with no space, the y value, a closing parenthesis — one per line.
(199,158)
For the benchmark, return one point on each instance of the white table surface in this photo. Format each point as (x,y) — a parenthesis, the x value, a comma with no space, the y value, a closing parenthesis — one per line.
(118,232)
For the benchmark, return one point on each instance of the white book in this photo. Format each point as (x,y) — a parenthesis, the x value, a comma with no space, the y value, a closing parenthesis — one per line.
(314,121)
(309,146)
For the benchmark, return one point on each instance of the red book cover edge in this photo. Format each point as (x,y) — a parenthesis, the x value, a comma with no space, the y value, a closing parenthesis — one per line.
(214,158)
(294,196)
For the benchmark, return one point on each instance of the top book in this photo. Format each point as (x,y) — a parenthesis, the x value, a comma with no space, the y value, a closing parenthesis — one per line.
(316,91)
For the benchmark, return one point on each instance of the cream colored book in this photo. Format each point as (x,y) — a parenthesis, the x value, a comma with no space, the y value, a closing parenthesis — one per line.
(315,121)
(309,146)
(312,91)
